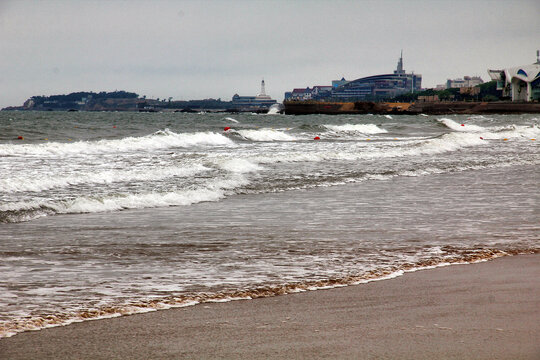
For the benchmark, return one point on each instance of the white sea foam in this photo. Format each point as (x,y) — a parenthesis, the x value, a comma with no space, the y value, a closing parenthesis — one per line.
(358,128)
(240,166)
(46,181)
(231,119)
(514,131)
(451,124)
(266,135)
(274,109)
(211,191)
(163,139)
(445,143)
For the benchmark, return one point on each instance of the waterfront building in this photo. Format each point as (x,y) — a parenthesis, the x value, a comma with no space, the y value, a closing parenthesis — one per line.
(379,86)
(299,94)
(368,88)
(521,83)
(336,83)
(253,103)
(467,81)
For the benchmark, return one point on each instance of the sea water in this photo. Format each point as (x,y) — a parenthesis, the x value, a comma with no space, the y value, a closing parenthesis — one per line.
(104,214)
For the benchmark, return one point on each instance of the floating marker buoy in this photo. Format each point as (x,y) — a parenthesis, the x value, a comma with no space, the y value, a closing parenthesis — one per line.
(533,139)
(316,138)
(505,139)
(368,139)
(462,124)
(481,138)
(20,138)
(114,127)
(226,128)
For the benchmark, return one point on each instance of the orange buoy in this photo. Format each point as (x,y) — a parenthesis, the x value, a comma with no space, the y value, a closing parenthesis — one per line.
(226,128)
(505,139)
(316,138)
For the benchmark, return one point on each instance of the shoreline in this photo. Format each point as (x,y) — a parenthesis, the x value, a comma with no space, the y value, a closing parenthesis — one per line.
(488,309)
(188,300)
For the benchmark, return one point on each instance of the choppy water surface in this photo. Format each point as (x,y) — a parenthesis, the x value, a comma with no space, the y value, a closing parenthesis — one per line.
(109,213)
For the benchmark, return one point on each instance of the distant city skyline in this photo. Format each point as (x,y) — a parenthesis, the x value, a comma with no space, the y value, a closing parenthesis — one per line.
(215,49)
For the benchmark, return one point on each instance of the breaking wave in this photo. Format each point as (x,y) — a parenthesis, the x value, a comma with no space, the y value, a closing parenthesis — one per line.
(211,191)
(357,128)
(451,124)
(46,182)
(163,139)
(266,135)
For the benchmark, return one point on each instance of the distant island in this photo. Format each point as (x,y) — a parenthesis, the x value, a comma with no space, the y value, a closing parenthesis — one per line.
(118,101)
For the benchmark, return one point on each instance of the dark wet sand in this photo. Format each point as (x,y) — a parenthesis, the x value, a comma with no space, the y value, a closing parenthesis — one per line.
(487,310)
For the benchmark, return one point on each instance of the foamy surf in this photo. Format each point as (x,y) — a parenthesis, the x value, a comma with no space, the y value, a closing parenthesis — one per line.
(139,306)
(357,128)
(451,124)
(266,135)
(160,140)
(25,182)
(194,213)
(210,191)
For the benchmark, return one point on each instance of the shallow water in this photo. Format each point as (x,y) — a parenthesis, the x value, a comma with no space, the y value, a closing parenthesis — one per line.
(110,213)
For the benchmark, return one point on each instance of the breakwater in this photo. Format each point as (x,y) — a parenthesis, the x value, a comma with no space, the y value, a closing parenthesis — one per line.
(431,108)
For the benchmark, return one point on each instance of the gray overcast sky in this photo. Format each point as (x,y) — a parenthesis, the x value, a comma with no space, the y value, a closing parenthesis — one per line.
(202,49)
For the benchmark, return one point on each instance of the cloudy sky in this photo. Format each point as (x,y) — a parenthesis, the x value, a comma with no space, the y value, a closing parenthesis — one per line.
(201,49)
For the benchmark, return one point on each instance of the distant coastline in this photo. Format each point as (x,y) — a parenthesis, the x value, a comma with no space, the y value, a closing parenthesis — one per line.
(117,101)
(128,101)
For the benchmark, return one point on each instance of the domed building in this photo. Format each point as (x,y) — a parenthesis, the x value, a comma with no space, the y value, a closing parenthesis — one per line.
(379,86)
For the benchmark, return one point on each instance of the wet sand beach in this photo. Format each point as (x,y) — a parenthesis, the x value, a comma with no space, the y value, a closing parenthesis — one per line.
(487,310)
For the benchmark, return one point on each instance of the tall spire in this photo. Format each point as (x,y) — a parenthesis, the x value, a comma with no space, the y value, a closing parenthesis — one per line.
(399,69)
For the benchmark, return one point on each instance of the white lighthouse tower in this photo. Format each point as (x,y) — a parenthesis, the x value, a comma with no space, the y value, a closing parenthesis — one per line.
(262,94)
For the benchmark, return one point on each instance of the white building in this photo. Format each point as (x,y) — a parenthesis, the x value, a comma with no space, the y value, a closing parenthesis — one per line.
(522,83)
(467,81)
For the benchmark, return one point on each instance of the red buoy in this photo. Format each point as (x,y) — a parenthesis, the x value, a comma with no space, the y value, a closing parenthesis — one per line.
(226,128)
(316,138)
(462,124)
(20,138)
(114,127)
(481,138)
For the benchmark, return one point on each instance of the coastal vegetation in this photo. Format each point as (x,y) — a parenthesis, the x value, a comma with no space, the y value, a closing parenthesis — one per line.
(116,101)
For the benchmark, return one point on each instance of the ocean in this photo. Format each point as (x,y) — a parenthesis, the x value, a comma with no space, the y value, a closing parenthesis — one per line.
(104,214)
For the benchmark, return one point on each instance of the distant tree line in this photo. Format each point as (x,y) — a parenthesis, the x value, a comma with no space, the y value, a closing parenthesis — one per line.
(78,96)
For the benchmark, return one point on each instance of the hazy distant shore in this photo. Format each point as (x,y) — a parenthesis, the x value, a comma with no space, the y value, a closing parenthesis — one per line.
(480,311)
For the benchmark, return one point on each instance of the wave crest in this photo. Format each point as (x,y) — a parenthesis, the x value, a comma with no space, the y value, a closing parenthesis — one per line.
(357,128)
(161,139)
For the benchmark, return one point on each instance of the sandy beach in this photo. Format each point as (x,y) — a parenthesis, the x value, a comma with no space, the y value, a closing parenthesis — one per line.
(487,310)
